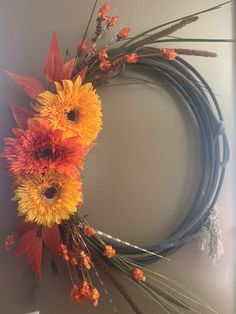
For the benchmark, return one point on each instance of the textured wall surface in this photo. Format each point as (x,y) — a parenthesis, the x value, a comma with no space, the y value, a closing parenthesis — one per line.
(140,179)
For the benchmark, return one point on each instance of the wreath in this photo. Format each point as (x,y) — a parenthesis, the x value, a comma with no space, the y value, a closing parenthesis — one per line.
(46,155)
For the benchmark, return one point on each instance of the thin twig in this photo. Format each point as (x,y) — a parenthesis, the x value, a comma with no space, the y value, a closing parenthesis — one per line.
(116,282)
(193,52)
(180,51)
(221,40)
(165,32)
(178,19)
(86,30)
(167,296)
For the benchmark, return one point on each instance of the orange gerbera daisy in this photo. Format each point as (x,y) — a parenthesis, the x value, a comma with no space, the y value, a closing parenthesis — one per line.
(75,109)
(40,148)
(48,198)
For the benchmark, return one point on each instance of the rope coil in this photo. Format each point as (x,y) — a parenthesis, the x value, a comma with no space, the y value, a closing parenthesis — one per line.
(199,97)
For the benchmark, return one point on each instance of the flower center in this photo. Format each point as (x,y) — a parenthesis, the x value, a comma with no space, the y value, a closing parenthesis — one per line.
(50,192)
(45,153)
(72,115)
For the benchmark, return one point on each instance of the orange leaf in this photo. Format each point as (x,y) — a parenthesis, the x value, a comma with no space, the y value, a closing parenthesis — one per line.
(20,115)
(25,227)
(31,86)
(34,256)
(68,68)
(25,243)
(83,72)
(53,68)
(51,238)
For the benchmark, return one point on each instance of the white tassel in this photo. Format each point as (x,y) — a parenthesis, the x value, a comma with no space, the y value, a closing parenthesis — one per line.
(212,237)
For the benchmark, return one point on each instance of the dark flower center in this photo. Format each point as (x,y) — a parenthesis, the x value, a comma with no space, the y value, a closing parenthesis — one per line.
(45,153)
(72,115)
(50,192)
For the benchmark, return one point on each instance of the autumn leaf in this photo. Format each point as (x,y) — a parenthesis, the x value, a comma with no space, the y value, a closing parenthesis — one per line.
(68,68)
(25,243)
(51,238)
(20,115)
(34,256)
(31,86)
(53,68)
(25,227)
(83,73)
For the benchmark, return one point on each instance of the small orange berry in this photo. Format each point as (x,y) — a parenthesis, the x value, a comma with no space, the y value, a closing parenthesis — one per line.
(123,33)
(9,242)
(109,251)
(102,55)
(131,58)
(66,257)
(105,65)
(87,263)
(73,261)
(138,274)
(95,295)
(63,249)
(104,10)
(85,289)
(89,231)
(112,21)
(168,54)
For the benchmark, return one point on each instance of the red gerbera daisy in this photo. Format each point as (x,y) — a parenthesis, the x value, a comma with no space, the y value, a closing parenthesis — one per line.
(40,148)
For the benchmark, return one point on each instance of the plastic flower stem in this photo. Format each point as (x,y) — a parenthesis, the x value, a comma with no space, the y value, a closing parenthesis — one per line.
(180,51)
(138,283)
(134,83)
(180,293)
(114,260)
(96,235)
(83,275)
(123,262)
(117,283)
(89,22)
(165,304)
(176,20)
(89,278)
(167,295)
(165,32)
(145,290)
(155,300)
(170,281)
(194,40)
(165,301)
(178,302)
(76,275)
(69,270)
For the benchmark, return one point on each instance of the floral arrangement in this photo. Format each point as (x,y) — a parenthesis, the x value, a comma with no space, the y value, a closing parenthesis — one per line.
(46,153)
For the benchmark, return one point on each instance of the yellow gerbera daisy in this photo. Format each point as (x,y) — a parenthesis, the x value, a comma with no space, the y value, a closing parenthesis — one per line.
(48,198)
(75,109)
